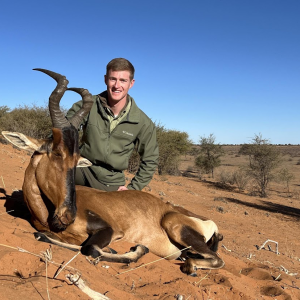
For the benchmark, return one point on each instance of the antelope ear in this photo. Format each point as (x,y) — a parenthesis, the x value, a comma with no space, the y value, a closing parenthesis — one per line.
(83,163)
(23,141)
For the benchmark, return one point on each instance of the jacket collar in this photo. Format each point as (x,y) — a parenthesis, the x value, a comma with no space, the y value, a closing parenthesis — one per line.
(134,113)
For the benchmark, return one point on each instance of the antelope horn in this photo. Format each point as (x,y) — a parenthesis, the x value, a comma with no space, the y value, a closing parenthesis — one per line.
(87,102)
(57,117)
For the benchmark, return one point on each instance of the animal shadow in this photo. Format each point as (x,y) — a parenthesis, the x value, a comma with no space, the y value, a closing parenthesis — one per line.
(15,205)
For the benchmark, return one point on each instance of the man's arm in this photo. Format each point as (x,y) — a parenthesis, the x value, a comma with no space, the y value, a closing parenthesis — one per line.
(148,150)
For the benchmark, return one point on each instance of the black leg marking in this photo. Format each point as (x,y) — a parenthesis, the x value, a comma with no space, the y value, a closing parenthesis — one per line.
(210,259)
(98,240)
(135,248)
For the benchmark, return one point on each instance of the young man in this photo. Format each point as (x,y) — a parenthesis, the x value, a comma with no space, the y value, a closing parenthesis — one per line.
(110,132)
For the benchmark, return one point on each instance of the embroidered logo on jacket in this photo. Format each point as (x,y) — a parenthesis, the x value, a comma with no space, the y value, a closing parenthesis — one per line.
(128,133)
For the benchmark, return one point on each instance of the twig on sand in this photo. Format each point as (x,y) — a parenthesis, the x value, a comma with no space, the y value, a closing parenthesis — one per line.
(286,271)
(75,279)
(198,282)
(67,263)
(226,248)
(47,257)
(267,241)
(40,256)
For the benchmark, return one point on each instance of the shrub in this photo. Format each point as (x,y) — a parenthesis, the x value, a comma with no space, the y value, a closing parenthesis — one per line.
(210,154)
(226,177)
(172,144)
(263,160)
(33,121)
(285,176)
(241,179)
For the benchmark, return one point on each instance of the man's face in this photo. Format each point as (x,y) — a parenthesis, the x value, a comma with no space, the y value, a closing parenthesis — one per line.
(118,84)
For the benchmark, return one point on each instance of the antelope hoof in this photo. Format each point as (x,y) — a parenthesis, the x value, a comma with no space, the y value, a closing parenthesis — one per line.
(188,268)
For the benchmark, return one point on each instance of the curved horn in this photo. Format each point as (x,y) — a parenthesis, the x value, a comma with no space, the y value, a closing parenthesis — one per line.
(87,102)
(57,117)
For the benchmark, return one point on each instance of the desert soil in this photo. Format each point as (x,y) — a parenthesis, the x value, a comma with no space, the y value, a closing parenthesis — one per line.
(246,222)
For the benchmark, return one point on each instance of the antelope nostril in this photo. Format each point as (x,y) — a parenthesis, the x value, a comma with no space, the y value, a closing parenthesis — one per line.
(64,220)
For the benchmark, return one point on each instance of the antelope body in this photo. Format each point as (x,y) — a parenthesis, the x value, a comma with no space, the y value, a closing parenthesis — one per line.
(84,218)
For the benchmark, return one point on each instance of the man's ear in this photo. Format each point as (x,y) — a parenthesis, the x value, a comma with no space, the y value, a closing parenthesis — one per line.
(83,163)
(23,141)
(132,83)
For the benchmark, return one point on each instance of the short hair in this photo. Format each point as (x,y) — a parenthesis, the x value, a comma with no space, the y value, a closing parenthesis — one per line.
(120,64)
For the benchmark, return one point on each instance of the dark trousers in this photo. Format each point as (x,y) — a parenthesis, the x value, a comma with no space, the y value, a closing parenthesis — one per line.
(85,177)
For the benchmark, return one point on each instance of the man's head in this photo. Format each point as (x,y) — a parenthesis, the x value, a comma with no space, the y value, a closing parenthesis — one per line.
(118,79)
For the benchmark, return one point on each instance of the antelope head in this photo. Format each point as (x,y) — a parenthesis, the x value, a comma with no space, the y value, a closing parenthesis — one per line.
(51,171)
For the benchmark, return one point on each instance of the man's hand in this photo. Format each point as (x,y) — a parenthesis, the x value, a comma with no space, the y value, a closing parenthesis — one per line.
(122,188)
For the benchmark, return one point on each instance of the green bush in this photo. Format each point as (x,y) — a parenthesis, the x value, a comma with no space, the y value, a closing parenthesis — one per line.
(210,154)
(33,121)
(172,144)
(263,160)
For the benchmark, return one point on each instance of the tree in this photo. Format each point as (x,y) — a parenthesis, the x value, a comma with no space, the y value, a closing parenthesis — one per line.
(263,159)
(210,154)
(285,176)
(172,144)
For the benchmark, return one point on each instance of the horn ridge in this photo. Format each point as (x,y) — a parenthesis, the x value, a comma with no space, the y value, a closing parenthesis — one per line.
(57,117)
(87,103)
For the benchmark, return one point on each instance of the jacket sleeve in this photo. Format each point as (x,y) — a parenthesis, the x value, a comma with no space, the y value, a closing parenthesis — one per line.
(148,151)
(75,107)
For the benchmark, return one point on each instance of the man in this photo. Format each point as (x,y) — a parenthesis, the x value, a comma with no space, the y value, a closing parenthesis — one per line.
(114,126)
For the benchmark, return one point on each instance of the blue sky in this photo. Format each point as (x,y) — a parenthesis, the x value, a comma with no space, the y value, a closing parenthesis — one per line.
(231,68)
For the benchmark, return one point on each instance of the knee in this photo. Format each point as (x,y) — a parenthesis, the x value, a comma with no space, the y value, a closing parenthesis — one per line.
(90,250)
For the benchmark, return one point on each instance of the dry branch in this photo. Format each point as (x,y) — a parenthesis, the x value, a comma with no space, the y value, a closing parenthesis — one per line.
(267,241)
(75,279)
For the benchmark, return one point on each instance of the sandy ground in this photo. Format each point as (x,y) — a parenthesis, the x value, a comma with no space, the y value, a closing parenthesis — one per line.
(246,223)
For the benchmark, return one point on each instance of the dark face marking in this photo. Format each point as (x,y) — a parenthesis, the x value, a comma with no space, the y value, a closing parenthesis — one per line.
(70,200)
(71,139)
(190,235)
(193,238)
(70,147)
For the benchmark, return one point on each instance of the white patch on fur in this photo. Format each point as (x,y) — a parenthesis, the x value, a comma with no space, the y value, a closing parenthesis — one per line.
(206,228)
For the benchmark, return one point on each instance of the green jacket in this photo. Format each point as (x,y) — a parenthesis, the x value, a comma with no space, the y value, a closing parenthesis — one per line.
(109,152)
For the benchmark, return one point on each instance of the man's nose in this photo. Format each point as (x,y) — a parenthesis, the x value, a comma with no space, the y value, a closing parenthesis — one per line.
(117,83)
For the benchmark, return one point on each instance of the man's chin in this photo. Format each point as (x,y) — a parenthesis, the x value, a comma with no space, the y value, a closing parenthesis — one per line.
(116,98)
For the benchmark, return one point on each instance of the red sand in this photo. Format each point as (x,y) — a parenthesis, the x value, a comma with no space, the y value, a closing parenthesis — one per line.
(246,223)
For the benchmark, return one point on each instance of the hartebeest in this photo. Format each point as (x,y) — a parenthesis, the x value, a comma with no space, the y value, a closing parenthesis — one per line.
(84,218)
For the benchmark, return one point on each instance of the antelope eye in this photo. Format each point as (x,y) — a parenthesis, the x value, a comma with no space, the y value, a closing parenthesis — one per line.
(57,154)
